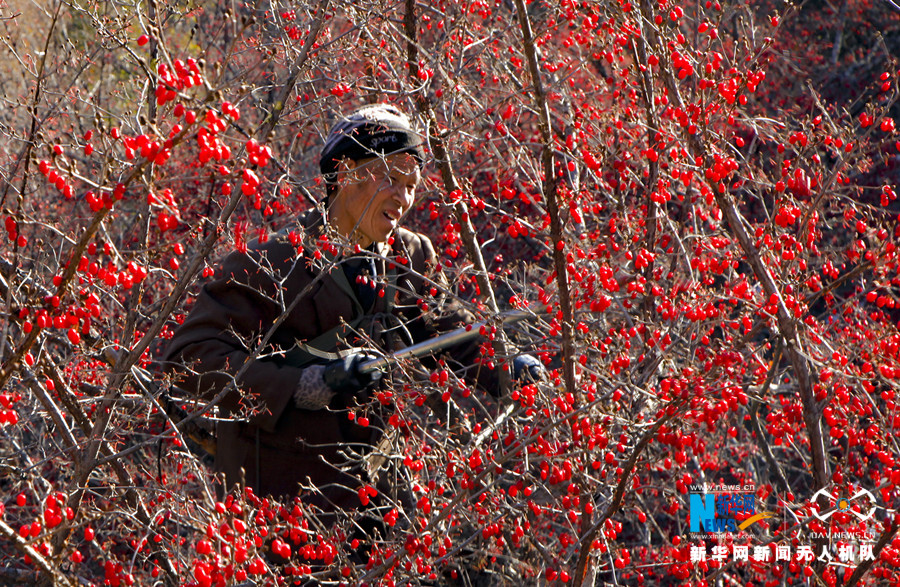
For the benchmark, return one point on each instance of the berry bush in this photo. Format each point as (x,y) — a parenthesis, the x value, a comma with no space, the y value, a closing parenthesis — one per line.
(694,202)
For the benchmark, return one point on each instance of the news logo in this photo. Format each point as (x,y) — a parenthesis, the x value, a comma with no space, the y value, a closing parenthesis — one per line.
(841,504)
(717,513)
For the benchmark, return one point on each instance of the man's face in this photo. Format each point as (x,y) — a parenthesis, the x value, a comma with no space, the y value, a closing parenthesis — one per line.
(374,195)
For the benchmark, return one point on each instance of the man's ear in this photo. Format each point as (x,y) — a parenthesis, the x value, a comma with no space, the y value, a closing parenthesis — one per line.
(337,181)
(342,171)
(344,167)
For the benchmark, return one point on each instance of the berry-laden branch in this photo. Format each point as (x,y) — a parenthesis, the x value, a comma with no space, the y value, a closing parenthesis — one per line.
(786,324)
(59,578)
(71,268)
(132,496)
(278,101)
(438,144)
(886,537)
(549,189)
(584,551)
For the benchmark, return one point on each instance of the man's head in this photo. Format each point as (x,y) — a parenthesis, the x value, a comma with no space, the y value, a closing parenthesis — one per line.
(373,196)
(370,131)
(371,166)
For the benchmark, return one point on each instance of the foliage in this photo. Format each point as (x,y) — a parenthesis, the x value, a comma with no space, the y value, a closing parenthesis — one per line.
(696,201)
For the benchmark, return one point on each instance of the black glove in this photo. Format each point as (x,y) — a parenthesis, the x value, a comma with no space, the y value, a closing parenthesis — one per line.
(344,378)
(528,369)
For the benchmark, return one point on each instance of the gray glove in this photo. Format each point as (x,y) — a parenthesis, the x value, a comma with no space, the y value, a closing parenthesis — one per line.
(528,369)
(311,392)
(320,383)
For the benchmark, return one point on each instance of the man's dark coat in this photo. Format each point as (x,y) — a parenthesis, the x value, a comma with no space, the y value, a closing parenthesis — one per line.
(279,446)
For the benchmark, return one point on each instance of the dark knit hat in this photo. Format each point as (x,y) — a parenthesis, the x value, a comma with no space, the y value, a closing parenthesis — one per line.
(373,130)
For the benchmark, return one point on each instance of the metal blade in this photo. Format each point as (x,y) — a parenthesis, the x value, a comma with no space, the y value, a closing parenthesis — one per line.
(441,342)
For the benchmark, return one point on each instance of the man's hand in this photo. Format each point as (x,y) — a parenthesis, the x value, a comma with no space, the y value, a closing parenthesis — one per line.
(528,369)
(344,378)
(319,384)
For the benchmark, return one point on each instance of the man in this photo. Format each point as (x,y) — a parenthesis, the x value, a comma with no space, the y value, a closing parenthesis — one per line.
(318,302)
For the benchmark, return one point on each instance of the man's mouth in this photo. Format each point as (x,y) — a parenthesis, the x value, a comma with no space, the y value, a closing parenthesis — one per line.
(392,215)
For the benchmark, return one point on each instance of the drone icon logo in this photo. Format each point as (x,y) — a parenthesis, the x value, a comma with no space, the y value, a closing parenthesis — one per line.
(844,504)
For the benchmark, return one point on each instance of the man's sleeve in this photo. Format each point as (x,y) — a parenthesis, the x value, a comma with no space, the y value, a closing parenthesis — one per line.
(214,343)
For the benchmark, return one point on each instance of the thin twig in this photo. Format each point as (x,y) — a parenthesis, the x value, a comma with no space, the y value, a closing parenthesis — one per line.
(451,184)
(619,493)
(550,195)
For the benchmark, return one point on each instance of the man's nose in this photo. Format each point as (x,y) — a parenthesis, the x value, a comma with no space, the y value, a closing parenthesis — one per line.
(401,195)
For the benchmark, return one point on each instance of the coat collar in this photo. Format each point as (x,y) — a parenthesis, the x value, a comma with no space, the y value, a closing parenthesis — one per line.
(314,226)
